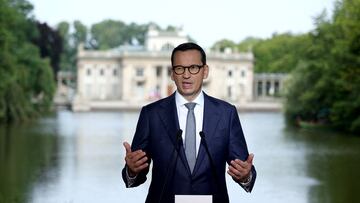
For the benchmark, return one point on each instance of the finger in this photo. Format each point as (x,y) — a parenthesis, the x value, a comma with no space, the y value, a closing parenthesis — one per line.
(237,172)
(127,147)
(131,155)
(130,160)
(250,158)
(137,156)
(237,163)
(136,161)
(238,175)
(233,175)
(140,168)
(141,161)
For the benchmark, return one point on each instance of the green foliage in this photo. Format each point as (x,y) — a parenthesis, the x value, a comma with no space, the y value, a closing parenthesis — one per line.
(104,35)
(135,33)
(70,43)
(223,44)
(110,33)
(68,55)
(26,82)
(248,44)
(281,53)
(325,86)
(80,33)
(244,46)
(50,44)
(63,29)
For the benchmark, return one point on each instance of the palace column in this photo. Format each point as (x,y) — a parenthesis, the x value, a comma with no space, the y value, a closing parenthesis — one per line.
(164,81)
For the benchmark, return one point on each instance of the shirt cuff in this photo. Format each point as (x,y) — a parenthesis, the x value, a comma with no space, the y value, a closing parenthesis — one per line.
(247,183)
(130,180)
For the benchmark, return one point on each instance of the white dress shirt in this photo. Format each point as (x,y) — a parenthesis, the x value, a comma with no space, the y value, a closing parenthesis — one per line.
(182,115)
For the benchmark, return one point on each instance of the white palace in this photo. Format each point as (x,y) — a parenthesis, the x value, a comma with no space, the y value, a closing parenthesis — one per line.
(132,75)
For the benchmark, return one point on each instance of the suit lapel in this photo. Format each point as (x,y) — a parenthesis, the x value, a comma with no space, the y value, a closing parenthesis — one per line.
(169,117)
(210,121)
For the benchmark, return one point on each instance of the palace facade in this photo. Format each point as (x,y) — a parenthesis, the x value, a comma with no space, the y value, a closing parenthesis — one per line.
(132,75)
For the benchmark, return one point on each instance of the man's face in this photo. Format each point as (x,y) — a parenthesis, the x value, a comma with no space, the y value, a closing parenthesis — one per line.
(189,85)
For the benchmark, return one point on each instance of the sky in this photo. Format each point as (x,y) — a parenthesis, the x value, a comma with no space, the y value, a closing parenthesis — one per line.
(206,21)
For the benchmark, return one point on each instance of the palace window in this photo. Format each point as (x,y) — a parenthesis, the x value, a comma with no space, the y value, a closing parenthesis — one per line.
(243,73)
(276,88)
(167,47)
(259,88)
(268,86)
(158,71)
(140,72)
(229,91)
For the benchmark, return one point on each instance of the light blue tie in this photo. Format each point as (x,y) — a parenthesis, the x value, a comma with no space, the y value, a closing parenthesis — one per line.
(190,136)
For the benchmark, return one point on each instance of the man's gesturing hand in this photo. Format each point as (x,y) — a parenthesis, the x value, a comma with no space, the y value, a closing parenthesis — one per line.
(240,170)
(135,161)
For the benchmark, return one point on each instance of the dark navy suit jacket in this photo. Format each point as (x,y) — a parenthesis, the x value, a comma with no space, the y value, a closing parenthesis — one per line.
(156,134)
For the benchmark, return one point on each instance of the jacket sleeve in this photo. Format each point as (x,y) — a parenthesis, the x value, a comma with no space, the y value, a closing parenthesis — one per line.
(140,141)
(238,147)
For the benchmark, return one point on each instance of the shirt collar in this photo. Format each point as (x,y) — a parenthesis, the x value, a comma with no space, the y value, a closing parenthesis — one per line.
(180,100)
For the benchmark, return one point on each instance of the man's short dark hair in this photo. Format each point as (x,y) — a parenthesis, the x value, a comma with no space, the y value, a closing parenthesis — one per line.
(189,46)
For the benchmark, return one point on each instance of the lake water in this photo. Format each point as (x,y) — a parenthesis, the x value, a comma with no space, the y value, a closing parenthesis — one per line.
(78,157)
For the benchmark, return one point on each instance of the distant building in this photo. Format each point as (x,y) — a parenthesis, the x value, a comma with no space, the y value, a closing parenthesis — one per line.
(268,86)
(131,75)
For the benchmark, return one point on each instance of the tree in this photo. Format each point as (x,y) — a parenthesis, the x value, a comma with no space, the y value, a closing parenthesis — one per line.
(223,44)
(281,53)
(50,44)
(135,33)
(63,29)
(345,113)
(26,80)
(325,88)
(108,34)
(68,55)
(70,42)
(248,44)
(80,34)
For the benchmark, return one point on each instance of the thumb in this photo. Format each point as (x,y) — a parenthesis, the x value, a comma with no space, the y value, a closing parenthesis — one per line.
(250,158)
(127,147)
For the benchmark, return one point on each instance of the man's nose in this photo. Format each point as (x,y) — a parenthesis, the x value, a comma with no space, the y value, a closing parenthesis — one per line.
(186,73)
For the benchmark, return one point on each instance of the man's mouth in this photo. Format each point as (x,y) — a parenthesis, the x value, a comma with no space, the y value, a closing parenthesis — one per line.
(186,85)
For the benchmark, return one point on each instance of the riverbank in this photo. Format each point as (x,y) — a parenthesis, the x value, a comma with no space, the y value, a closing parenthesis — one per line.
(254,106)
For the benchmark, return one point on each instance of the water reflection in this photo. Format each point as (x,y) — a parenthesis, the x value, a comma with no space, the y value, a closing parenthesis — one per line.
(280,162)
(25,154)
(334,160)
(90,158)
(78,157)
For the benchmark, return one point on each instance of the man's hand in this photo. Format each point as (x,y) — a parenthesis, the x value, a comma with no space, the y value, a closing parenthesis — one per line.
(240,170)
(135,161)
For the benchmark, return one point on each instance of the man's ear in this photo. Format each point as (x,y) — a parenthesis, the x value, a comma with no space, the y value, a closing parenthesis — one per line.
(206,71)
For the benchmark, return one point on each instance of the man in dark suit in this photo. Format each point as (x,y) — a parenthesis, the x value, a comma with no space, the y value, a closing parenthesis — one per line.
(183,162)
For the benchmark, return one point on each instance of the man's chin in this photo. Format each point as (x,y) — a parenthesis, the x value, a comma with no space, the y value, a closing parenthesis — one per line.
(188,93)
